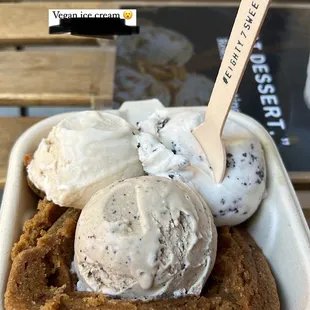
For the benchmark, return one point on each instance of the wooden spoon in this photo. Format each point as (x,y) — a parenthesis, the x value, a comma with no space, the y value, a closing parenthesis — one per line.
(248,22)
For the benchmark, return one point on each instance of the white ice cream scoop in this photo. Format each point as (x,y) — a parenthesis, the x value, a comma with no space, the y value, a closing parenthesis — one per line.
(82,154)
(168,148)
(144,238)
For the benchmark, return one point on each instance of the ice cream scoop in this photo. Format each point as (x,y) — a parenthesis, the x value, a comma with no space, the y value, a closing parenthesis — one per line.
(195,90)
(145,238)
(132,85)
(156,45)
(84,153)
(168,148)
(230,74)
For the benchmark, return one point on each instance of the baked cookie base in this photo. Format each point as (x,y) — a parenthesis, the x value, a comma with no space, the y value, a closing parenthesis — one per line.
(40,277)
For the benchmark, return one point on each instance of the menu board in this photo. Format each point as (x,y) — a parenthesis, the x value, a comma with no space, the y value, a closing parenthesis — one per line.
(176,58)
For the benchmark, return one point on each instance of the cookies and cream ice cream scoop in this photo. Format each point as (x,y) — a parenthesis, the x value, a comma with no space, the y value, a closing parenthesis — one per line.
(84,153)
(144,238)
(168,148)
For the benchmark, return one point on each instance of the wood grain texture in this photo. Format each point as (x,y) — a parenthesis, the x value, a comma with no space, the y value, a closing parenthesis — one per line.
(300,178)
(27,23)
(10,129)
(304,199)
(71,76)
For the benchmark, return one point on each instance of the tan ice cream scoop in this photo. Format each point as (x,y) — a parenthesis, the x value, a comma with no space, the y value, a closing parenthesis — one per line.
(144,238)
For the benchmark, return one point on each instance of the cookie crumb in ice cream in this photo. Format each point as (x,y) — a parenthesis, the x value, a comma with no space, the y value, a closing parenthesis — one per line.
(162,124)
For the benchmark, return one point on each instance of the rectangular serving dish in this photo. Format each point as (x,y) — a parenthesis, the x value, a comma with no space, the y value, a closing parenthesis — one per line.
(278,227)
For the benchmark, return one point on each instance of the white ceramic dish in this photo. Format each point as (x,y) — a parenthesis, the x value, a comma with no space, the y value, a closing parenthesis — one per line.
(279,226)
